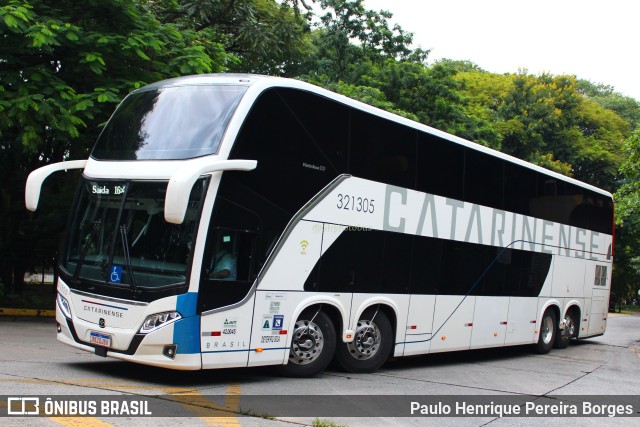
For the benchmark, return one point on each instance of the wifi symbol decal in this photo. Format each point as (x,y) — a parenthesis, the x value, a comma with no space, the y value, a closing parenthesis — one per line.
(304,245)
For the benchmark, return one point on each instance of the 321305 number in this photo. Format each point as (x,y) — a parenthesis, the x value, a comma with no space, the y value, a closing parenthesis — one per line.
(355,203)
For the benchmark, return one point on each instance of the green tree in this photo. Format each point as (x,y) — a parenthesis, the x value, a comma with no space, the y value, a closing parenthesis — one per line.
(548,115)
(627,255)
(349,34)
(64,66)
(626,107)
(266,36)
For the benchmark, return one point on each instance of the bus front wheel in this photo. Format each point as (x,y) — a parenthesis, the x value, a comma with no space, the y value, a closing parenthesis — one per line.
(312,346)
(548,330)
(371,344)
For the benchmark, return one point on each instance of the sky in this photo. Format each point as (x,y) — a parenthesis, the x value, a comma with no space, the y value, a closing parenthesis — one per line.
(593,40)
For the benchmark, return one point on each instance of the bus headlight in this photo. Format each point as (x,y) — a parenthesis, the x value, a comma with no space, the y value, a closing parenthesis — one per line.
(65,308)
(158,320)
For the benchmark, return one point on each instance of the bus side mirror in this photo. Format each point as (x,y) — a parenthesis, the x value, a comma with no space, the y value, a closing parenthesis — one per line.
(181,183)
(37,177)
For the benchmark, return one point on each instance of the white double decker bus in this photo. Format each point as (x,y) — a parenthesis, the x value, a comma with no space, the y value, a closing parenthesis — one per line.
(238,220)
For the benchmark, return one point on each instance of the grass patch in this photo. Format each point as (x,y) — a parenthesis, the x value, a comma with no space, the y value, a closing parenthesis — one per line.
(325,423)
(630,309)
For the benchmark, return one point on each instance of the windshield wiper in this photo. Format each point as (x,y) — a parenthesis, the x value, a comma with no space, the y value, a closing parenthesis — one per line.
(97,225)
(127,256)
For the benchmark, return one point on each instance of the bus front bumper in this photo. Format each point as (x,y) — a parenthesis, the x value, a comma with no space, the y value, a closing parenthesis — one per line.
(147,349)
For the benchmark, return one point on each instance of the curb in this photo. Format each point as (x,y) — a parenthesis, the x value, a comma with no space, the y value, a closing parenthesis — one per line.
(27,312)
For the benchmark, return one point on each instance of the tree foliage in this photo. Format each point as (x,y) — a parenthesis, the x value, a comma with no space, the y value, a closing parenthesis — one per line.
(265,36)
(627,272)
(64,65)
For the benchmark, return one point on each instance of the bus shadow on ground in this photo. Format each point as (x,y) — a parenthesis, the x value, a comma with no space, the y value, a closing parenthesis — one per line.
(220,377)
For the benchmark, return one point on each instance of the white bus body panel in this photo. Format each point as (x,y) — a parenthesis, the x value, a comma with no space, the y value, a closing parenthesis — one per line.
(274,321)
(419,324)
(225,337)
(296,258)
(452,323)
(523,314)
(568,277)
(599,311)
(489,322)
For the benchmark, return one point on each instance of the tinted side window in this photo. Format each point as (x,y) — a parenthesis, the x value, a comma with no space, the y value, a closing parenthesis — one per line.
(520,188)
(292,164)
(353,263)
(462,268)
(365,261)
(325,122)
(515,273)
(483,179)
(230,261)
(592,211)
(382,150)
(427,259)
(396,266)
(440,167)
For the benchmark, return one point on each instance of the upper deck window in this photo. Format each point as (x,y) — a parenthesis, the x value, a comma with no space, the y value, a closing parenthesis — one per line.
(171,123)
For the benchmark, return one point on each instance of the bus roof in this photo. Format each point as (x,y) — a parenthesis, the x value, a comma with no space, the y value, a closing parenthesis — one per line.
(259,83)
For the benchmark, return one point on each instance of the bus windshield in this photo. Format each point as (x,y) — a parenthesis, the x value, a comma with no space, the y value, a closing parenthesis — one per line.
(171,123)
(118,235)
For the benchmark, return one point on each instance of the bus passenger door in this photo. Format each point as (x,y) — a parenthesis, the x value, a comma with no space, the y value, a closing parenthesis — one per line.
(228,272)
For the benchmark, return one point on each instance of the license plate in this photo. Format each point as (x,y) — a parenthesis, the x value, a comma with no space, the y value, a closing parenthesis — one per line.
(102,340)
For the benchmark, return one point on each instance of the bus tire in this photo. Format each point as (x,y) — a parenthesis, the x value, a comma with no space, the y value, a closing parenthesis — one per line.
(548,332)
(371,346)
(563,337)
(313,344)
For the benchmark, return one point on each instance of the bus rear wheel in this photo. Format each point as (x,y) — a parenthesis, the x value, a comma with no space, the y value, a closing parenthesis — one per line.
(548,329)
(563,337)
(312,346)
(371,344)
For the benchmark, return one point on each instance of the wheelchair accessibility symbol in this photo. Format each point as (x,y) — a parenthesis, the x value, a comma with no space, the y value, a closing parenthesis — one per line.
(116,274)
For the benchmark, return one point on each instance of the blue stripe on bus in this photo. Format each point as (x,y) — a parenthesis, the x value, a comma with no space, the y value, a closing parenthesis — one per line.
(186,331)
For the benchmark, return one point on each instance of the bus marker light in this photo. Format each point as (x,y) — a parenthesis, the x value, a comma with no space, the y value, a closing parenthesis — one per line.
(259,349)
(347,336)
(534,321)
(504,323)
(283,332)
(535,331)
(468,324)
(444,337)
(495,334)
(216,334)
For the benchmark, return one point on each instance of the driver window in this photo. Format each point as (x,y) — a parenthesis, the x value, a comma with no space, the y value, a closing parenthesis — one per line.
(231,256)
(223,264)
